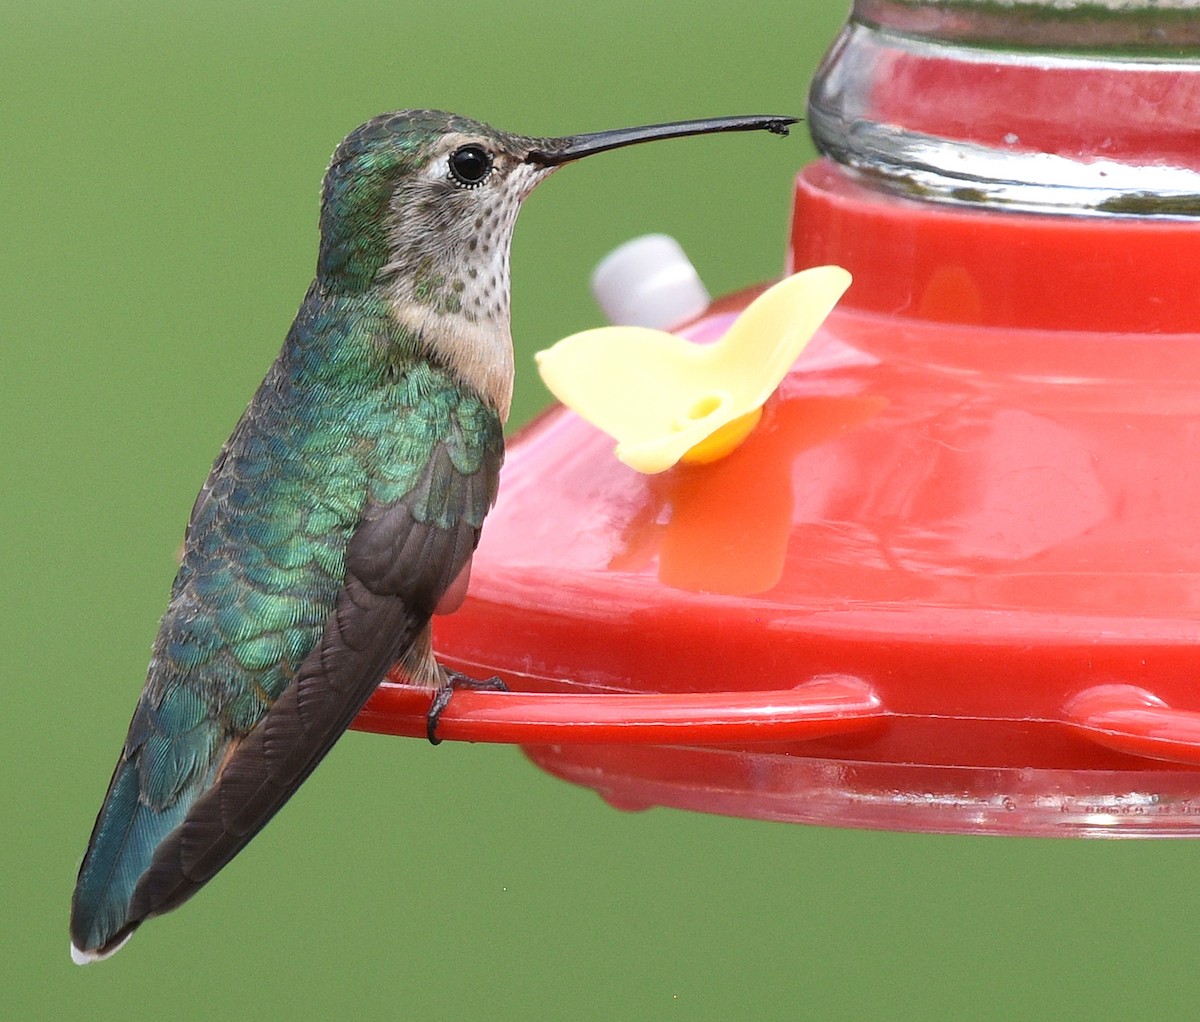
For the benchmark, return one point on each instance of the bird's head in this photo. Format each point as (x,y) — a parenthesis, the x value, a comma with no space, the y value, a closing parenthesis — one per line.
(424,202)
(420,205)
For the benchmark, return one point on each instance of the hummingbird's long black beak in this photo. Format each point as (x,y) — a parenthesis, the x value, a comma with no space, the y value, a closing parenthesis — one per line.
(573,147)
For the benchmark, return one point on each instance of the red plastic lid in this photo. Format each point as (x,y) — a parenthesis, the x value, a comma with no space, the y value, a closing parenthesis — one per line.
(1114,276)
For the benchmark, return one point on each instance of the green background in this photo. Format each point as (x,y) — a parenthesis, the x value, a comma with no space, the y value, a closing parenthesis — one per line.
(160,167)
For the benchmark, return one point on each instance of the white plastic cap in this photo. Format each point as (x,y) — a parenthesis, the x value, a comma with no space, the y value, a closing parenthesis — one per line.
(648,281)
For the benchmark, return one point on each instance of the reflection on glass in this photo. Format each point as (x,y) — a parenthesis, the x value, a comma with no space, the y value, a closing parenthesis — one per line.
(1060,106)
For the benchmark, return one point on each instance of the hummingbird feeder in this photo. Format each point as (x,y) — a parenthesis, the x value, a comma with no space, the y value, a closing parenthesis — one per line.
(948,577)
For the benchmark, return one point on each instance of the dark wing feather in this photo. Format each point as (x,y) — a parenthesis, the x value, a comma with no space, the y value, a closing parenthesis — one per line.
(361,640)
(400,561)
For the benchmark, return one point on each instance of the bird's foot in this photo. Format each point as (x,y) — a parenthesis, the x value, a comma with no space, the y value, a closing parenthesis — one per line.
(441,699)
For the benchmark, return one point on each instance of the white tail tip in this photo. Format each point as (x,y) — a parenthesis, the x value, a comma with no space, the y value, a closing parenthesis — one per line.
(87,957)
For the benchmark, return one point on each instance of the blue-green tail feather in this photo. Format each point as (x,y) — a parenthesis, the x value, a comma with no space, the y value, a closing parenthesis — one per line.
(126,835)
(168,759)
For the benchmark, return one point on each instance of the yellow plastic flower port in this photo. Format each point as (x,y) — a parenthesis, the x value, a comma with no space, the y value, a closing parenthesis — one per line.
(666,399)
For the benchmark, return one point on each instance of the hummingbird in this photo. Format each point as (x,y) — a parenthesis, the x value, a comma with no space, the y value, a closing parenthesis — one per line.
(342,512)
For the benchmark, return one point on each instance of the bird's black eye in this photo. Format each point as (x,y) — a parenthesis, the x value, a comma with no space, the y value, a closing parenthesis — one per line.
(470,165)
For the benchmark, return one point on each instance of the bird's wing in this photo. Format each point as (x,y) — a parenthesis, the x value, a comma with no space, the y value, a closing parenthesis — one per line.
(399,562)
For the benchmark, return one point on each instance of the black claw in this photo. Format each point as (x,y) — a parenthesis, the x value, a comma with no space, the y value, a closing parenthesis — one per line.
(441,698)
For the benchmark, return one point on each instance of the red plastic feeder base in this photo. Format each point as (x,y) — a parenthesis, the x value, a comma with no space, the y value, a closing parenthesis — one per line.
(950,583)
